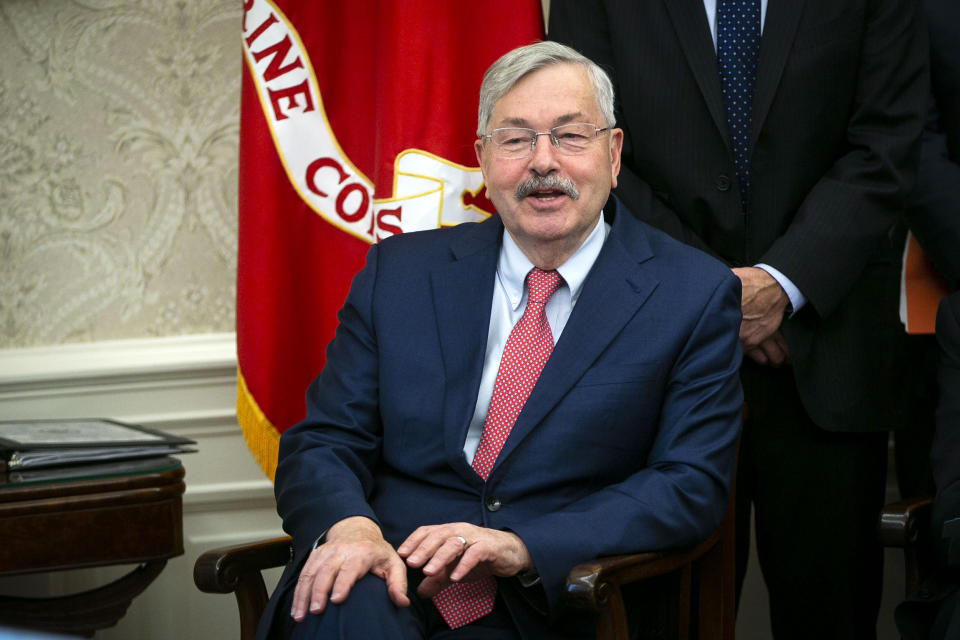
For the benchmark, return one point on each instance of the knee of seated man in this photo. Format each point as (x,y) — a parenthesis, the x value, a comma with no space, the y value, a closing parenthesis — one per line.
(367,612)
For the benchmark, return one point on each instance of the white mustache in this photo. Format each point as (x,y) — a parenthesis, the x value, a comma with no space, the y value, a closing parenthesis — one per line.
(551,182)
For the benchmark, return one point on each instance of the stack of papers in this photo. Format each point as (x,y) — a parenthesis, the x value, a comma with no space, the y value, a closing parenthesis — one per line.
(31,444)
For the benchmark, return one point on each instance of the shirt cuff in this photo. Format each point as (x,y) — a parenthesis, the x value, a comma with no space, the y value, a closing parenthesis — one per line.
(797,299)
(529,578)
(319,541)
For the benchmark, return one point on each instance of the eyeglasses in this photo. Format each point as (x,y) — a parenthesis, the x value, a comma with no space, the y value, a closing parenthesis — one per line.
(518,142)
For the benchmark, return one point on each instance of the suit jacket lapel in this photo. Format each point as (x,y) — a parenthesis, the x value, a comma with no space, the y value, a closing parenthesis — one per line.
(693,32)
(779,31)
(612,293)
(462,290)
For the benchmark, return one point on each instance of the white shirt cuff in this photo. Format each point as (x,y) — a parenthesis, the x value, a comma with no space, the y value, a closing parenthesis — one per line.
(797,299)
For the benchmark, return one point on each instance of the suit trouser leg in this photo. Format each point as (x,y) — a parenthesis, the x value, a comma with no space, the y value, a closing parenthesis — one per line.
(816,497)
(368,614)
(913,442)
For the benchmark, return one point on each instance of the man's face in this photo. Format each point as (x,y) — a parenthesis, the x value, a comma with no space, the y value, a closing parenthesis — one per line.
(551,96)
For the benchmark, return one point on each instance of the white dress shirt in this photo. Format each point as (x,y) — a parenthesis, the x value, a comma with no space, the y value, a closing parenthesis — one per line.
(509,302)
(711,8)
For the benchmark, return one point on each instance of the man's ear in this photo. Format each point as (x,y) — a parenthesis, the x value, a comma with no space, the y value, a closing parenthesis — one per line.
(616,146)
(478,147)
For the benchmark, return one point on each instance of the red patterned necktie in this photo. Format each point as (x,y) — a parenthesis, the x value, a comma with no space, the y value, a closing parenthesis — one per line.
(526,351)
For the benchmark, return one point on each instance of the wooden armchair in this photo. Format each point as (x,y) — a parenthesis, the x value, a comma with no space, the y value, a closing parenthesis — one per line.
(679,594)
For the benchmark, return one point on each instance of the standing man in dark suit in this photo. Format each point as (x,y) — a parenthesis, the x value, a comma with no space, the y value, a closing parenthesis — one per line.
(781,137)
(946,471)
(934,217)
(442,484)
(933,611)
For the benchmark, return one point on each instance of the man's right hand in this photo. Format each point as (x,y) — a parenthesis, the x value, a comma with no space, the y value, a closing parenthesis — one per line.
(354,547)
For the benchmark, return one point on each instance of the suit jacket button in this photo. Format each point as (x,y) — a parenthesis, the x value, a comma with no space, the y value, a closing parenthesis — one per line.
(723,182)
(493,504)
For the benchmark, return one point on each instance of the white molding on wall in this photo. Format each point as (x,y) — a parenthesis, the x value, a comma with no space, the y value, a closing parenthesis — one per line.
(242,494)
(148,359)
(192,424)
(182,383)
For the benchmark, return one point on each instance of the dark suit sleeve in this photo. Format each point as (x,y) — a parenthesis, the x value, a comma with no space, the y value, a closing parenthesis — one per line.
(934,212)
(325,474)
(849,211)
(680,493)
(582,24)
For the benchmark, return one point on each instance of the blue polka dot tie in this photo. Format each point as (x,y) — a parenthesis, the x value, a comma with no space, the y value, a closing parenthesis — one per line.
(738,47)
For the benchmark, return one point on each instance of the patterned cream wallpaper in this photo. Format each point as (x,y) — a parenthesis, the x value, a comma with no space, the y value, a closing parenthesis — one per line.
(118,168)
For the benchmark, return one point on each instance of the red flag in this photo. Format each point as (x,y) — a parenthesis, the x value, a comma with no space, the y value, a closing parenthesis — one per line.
(357,122)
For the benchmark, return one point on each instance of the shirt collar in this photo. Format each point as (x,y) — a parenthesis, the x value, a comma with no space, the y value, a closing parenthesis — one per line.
(514,266)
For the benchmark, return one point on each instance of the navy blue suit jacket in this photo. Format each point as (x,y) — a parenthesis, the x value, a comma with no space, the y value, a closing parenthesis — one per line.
(626,443)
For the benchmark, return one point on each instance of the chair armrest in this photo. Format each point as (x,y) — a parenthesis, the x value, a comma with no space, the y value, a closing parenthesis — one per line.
(590,585)
(220,570)
(673,584)
(901,522)
(236,569)
(900,525)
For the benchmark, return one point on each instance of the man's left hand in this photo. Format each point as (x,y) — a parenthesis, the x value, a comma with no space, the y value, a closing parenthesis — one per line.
(763,303)
(772,351)
(460,552)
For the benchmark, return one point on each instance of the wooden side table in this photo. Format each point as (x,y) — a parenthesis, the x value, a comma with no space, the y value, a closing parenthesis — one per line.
(118,513)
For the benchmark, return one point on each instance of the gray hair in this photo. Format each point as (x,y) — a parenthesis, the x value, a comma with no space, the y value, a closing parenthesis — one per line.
(514,65)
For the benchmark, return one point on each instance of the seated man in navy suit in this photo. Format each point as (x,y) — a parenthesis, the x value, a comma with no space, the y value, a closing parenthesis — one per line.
(507,399)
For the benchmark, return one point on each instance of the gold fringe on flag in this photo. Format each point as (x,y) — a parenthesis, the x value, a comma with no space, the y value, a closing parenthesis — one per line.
(261,436)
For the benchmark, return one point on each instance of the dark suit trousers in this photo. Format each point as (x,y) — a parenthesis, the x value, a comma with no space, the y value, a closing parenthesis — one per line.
(816,496)
(913,442)
(368,614)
